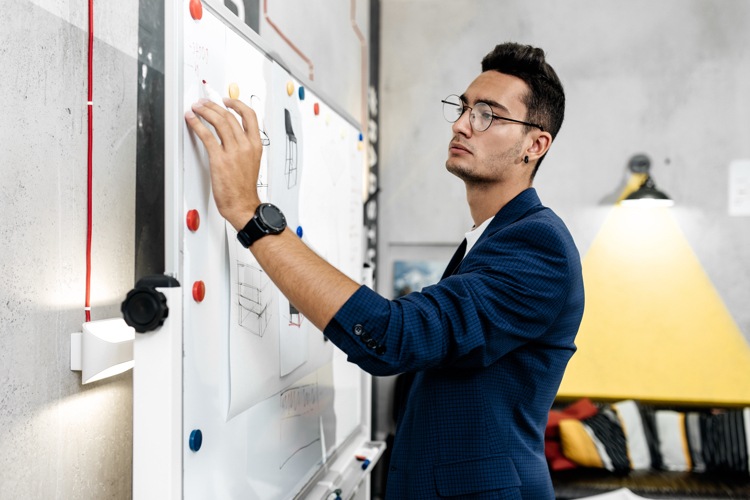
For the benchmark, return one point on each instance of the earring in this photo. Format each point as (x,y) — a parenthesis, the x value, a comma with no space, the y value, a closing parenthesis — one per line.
(526,159)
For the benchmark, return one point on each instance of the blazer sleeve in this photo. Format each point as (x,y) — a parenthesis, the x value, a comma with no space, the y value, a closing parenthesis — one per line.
(511,287)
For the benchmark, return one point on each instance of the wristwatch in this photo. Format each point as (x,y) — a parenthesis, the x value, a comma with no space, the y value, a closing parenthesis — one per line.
(268,219)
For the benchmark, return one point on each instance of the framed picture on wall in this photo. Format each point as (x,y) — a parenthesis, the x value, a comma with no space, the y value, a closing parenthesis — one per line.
(413,275)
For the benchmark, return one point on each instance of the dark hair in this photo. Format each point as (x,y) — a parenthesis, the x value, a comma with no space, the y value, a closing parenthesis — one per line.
(545,101)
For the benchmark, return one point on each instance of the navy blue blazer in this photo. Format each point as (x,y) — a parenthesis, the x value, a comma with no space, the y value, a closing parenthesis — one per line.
(489,344)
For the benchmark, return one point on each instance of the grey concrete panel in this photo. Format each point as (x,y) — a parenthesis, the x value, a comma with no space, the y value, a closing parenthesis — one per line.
(61,440)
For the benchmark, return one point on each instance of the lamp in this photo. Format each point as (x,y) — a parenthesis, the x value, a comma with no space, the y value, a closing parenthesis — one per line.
(102,349)
(647,194)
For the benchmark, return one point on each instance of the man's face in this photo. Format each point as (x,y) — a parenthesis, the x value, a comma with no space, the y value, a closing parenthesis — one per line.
(493,155)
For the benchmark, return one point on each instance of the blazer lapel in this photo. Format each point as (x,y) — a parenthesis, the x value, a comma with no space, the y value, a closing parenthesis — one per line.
(515,209)
(520,206)
(455,260)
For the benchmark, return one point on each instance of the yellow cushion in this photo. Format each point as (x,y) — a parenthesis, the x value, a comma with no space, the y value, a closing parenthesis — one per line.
(577,444)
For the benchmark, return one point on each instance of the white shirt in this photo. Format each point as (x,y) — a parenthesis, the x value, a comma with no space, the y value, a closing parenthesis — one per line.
(473,235)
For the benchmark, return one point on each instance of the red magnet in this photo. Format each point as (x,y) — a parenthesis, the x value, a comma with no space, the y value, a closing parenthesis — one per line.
(316,109)
(196,9)
(199,291)
(193,220)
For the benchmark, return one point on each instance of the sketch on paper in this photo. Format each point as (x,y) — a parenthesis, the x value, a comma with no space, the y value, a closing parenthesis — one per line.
(252,284)
(253,346)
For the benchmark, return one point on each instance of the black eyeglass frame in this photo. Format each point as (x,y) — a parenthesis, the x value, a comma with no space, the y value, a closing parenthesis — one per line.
(465,106)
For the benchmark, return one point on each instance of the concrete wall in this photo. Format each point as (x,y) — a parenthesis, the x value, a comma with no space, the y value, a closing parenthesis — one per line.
(665,78)
(59,439)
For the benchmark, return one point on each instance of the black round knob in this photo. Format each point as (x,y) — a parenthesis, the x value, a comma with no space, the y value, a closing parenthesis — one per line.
(145,309)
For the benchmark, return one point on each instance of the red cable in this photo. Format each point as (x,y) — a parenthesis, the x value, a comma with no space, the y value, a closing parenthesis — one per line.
(89,196)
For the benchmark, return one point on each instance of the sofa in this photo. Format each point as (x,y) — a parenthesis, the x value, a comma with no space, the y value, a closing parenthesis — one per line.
(656,451)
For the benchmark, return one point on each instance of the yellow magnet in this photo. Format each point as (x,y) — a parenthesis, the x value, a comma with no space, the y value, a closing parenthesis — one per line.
(234,91)
(290,88)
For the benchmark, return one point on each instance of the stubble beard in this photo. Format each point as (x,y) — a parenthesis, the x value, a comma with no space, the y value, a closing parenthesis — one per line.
(495,170)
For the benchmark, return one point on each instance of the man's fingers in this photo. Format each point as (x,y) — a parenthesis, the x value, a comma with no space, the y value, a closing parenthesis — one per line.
(220,119)
(204,134)
(249,118)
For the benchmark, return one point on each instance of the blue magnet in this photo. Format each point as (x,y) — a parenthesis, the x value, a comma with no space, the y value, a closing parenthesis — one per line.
(361,137)
(196,440)
(301,93)
(365,464)
(299,231)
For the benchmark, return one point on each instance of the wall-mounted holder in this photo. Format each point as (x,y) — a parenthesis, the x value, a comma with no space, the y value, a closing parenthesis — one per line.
(102,349)
(154,309)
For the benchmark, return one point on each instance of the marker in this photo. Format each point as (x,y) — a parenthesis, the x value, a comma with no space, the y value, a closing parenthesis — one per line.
(208,93)
(364,456)
(334,495)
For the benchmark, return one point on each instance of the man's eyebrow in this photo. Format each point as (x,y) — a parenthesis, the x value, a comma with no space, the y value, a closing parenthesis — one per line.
(492,103)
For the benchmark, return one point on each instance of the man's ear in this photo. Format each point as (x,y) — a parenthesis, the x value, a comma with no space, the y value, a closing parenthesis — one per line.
(540,145)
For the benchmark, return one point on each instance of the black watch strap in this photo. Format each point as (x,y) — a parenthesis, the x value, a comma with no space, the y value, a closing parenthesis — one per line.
(268,219)
(250,233)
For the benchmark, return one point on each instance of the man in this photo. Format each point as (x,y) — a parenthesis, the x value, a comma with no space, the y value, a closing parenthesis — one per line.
(489,343)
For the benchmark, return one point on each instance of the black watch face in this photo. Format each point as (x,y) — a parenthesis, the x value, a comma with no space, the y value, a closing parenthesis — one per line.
(272,217)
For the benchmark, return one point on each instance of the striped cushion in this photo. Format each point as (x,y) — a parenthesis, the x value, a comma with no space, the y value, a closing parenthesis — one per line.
(673,446)
(628,436)
(597,441)
(635,435)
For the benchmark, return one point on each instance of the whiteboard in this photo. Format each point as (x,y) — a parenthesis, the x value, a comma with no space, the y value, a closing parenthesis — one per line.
(275,402)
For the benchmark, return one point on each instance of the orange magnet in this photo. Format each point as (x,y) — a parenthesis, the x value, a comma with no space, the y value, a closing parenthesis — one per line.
(199,291)
(316,109)
(196,9)
(234,90)
(193,220)
(290,88)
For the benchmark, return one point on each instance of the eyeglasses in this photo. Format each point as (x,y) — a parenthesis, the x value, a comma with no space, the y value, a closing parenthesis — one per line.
(481,115)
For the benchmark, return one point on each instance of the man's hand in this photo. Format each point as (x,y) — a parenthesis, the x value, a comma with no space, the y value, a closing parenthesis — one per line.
(234,157)
(316,288)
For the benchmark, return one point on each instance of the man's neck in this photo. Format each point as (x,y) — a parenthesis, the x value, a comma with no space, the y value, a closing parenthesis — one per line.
(486,200)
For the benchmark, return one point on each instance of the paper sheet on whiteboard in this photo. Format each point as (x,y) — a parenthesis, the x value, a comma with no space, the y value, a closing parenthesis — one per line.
(259,359)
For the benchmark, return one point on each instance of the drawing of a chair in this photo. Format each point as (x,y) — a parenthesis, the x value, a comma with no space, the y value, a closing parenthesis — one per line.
(253,308)
(290,164)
